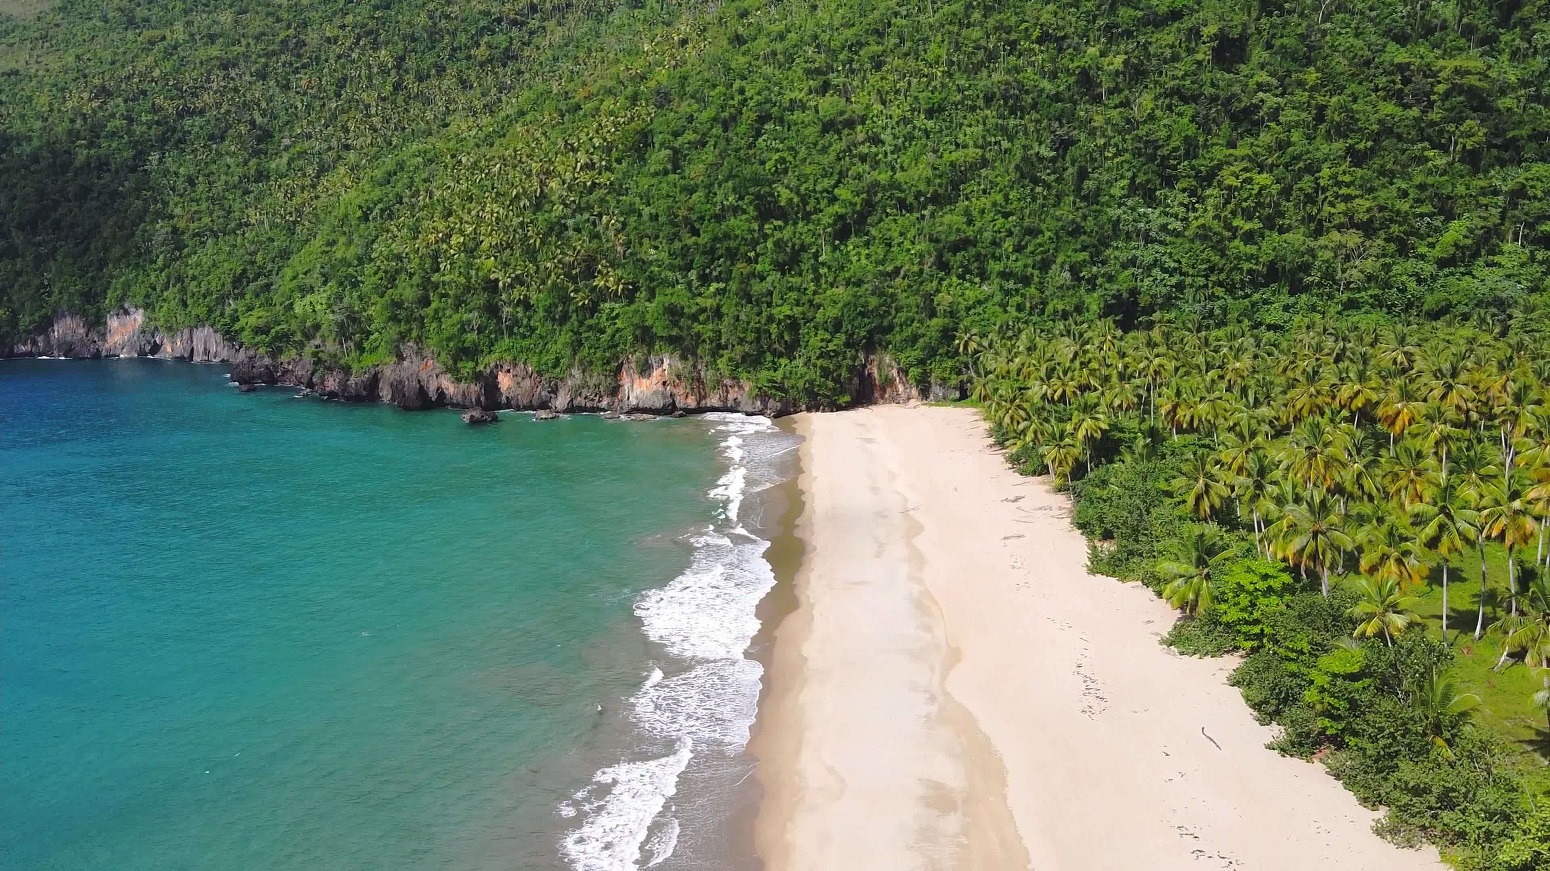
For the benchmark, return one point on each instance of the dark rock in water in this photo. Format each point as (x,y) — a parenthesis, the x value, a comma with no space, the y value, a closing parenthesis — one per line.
(249,371)
(479,415)
(680,413)
(610,415)
(546,414)
(246,388)
(639,416)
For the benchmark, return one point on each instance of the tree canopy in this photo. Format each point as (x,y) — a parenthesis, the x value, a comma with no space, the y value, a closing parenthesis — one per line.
(769,188)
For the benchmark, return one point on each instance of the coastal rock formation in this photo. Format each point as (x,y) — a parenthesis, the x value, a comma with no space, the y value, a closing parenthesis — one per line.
(479,415)
(637,389)
(546,414)
(125,334)
(195,344)
(67,336)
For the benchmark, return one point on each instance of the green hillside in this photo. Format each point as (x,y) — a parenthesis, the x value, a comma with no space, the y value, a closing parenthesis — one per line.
(770,188)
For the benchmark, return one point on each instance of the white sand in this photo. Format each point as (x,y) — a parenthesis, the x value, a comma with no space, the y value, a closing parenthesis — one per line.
(956,691)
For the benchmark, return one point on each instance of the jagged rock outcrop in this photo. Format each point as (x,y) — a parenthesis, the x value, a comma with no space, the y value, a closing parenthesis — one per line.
(879,381)
(67,336)
(479,415)
(198,345)
(124,335)
(652,386)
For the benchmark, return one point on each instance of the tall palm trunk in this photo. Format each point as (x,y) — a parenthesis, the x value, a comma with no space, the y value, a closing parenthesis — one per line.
(1324,580)
(1512,578)
(1445,601)
(1480,621)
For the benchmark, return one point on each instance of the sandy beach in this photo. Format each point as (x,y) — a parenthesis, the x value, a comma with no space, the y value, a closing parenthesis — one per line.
(954,690)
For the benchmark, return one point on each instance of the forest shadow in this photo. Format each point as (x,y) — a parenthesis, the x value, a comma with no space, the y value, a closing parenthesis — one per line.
(69,212)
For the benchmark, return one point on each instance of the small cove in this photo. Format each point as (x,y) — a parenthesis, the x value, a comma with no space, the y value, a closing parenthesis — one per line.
(261,631)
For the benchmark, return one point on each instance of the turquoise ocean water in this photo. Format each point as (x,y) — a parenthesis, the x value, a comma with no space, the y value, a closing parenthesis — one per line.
(261,631)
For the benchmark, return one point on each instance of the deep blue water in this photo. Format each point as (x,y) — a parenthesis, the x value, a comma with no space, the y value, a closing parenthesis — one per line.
(257,631)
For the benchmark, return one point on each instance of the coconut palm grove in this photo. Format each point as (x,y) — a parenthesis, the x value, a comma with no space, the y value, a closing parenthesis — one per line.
(1360,509)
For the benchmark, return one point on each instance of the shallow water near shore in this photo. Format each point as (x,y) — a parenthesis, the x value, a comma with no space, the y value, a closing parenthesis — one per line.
(259,631)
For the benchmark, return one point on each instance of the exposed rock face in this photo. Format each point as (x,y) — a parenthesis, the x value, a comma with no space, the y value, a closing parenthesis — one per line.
(124,335)
(479,415)
(638,390)
(199,345)
(67,336)
(546,414)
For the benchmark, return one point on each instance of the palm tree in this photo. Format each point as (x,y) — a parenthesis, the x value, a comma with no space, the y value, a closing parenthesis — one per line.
(1314,454)
(1355,391)
(1088,424)
(1314,534)
(1527,630)
(1061,458)
(1437,434)
(1399,349)
(1391,550)
(1406,475)
(1155,365)
(1441,708)
(1536,466)
(1362,477)
(1445,384)
(1506,514)
(1190,573)
(1253,490)
(969,346)
(1383,608)
(1203,484)
(1399,409)
(1515,411)
(1472,469)
(1447,525)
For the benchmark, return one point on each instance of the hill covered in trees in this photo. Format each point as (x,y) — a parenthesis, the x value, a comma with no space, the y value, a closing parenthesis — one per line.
(770,188)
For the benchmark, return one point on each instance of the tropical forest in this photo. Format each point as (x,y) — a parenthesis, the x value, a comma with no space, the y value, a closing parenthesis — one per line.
(769,188)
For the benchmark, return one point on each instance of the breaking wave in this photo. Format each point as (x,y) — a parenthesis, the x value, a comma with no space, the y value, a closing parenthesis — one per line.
(705,704)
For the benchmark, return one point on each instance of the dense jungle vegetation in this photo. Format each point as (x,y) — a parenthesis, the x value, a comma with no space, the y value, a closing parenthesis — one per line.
(770,187)
(1363,512)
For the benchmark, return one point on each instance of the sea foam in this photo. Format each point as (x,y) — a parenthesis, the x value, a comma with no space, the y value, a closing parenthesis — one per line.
(619,820)
(707,700)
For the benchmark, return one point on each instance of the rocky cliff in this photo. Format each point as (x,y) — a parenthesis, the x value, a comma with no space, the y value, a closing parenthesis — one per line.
(655,385)
(124,335)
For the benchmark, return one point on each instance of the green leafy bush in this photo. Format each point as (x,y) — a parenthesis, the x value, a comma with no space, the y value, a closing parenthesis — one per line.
(1338,684)
(1248,593)
(1270,685)
(1528,848)
(1201,636)
(1125,508)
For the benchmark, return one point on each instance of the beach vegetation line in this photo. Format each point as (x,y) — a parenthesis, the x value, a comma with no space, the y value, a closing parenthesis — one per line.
(1359,508)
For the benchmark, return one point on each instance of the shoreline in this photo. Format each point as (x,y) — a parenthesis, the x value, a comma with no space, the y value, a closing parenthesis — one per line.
(784,502)
(784,626)
(1032,720)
